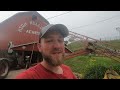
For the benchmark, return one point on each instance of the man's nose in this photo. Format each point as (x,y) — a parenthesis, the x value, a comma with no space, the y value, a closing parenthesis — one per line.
(56,44)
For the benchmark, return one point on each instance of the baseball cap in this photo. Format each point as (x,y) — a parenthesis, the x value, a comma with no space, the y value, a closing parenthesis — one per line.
(60,27)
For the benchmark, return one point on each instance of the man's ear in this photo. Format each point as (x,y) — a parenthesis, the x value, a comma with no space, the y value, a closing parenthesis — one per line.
(39,47)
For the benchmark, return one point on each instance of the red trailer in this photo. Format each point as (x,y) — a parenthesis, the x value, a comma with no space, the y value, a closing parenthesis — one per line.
(19,36)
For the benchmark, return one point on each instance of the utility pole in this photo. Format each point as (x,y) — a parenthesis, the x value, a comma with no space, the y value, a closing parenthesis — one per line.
(118,29)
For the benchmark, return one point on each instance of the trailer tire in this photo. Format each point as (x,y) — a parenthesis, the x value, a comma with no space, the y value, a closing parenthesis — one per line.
(4,69)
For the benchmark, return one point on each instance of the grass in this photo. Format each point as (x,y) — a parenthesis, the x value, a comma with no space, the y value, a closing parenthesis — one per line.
(75,45)
(81,64)
(115,44)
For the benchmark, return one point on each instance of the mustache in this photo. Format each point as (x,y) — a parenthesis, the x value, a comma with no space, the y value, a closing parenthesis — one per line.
(56,50)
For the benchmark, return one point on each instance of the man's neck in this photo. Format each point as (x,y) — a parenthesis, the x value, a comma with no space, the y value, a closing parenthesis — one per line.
(55,69)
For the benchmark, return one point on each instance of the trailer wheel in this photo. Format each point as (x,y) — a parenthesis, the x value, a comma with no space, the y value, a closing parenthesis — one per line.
(4,69)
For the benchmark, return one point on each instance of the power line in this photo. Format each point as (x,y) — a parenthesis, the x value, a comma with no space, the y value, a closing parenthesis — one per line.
(59,15)
(96,22)
(84,25)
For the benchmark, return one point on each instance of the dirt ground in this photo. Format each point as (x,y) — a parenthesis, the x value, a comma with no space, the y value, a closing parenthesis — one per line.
(12,74)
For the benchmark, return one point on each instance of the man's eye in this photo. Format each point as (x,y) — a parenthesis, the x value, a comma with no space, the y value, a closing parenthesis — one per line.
(61,40)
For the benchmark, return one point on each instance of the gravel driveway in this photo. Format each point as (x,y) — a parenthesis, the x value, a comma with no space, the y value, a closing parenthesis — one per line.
(12,74)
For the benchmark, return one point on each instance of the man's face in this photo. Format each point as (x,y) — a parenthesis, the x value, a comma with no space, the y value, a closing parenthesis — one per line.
(52,48)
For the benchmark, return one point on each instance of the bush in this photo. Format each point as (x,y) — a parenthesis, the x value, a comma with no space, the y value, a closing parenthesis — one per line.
(98,71)
(116,68)
(95,72)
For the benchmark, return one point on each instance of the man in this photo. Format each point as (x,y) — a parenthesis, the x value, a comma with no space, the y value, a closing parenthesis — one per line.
(52,48)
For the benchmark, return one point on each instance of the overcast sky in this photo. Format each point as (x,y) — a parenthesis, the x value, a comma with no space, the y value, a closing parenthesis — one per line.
(95,24)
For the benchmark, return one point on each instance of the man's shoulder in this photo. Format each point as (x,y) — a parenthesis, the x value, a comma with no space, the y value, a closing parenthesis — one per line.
(65,66)
(27,74)
(68,72)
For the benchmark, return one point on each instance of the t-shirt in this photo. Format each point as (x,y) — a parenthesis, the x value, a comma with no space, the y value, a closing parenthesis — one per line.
(40,72)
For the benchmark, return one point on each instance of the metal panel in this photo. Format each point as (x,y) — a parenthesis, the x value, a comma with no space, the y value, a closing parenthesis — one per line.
(21,28)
